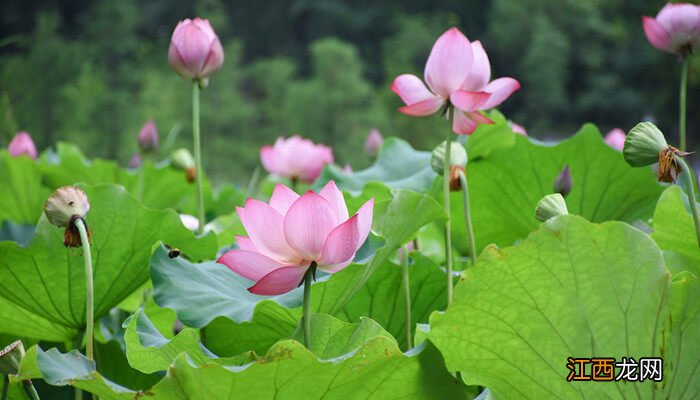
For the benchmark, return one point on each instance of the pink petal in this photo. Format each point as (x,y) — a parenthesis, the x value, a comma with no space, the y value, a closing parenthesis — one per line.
(364,220)
(411,89)
(334,196)
(279,281)
(268,158)
(423,108)
(500,90)
(468,101)
(244,243)
(341,244)
(307,224)
(657,34)
(449,63)
(461,124)
(479,118)
(282,198)
(249,264)
(193,48)
(264,225)
(214,60)
(616,139)
(480,72)
(681,21)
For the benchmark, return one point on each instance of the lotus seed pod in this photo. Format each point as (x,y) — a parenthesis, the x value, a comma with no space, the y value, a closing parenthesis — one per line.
(550,206)
(10,358)
(643,145)
(66,204)
(458,157)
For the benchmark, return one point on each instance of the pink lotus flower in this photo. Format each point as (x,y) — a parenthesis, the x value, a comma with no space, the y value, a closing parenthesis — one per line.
(373,142)
(616,139)
(22,144)
(148,137)
(296,158)
(290,233)
(519,129)
(457,73)
(195,51)
(676,28)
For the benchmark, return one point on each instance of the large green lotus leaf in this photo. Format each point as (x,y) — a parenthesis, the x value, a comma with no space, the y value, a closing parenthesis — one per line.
(20,183)
(489,137)
(571,289)
(506,185)
(674,231)
(42,285)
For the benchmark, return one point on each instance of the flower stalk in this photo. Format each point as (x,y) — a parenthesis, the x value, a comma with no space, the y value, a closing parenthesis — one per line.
(306,317)
(468,217)
(197,154)
(89,288)
(407,297)
(688,185)
(446,202)
(683,95)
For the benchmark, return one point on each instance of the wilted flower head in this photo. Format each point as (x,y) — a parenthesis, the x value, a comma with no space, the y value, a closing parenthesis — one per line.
(148,137)
(21,144)
(616,139)
(10,358)
(195,51)
(63,207)
(646,145)
(292,232)
(676,28)
(296,158)
(373,142)
(458,162)
(457,73)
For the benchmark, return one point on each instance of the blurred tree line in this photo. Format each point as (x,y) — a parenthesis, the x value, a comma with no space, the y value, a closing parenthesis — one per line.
(93,72)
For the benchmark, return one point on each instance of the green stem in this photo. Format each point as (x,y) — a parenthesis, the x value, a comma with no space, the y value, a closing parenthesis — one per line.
(89,289)
(30,390)
(306,317)
(468,217)
(197,155)
(407,298)
(688,185)
(683,91)
(446,202)
(5,386)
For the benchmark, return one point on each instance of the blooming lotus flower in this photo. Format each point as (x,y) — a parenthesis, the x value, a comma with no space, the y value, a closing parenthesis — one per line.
(292,232)
(373,142)
(517,128)
(296,158)
(195,51)
(148,137)
(457,73)
(21,144)
(676,28)
(616,139)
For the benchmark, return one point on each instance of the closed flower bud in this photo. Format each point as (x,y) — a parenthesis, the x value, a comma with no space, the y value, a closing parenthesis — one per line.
(148,137)
(10,358)
(564,182)
(135,161)
(550,206)
(195,51)
(22,144)
(643,145)
(373,142)
(63,207)
(458,157)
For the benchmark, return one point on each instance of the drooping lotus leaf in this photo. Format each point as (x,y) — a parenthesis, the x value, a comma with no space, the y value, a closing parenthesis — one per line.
(42,285)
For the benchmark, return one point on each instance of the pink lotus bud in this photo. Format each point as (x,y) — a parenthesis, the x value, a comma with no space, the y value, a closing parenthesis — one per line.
(296,158)
(519,129)
(676,28)
(347,169)
(286,236)
(21,144)
(195,51)
(373,142)
(616,139)
(457,73)
(564,182)
(148,137)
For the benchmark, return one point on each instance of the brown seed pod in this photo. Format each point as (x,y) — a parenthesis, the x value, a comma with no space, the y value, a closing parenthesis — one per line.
(668,166)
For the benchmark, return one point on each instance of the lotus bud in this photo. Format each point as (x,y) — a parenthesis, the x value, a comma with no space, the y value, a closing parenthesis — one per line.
(135,161)
(195,51)
(551,205)
(182,159)
(10,358)
(63,207)
(646,145)
(347,169)
(373,142)
(458,162)
(564,182)
(148,137)
(22,144)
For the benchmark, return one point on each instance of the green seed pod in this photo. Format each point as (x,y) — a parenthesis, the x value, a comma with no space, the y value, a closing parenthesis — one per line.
(550,206)
(643,145)
(10,358)
(182,159)
(458,157)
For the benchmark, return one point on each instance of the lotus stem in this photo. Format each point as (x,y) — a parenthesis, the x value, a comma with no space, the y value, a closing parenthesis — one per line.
(197,155)
(30,390)
(89,289)
(306,317)
(683,95)
(5,386)
(407,298)
(446,202)
(468,217)
(688,185)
